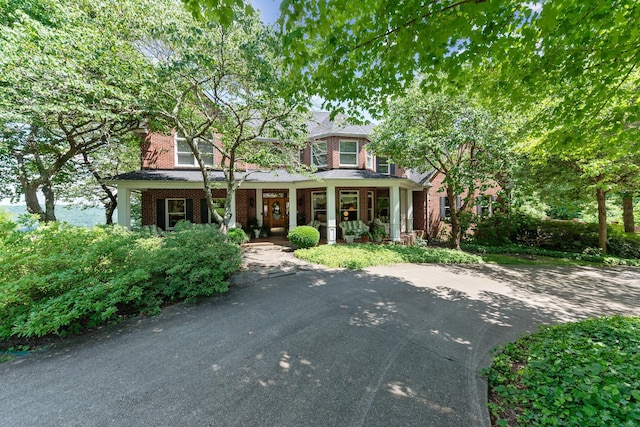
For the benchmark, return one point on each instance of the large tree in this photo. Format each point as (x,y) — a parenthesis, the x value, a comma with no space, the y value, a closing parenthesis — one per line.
(451,136)
(72,80)
(228,85)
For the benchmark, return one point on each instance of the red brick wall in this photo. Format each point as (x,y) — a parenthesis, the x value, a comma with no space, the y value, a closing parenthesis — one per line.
(436,226)
(243,209)
(158,152)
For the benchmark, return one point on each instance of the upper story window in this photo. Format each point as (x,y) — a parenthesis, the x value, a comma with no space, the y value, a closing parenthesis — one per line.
(185,157)
(348,153)
(319,154)
(383,166)
(369,155)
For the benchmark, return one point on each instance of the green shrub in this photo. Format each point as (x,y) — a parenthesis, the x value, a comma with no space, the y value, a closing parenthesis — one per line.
(237,236)
(563,236)
(304,236)
(6,225)
(193,262)
(60,279)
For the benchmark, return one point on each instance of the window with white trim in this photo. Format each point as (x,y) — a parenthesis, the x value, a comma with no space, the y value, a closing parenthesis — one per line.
(185,157)
(319,206)
(348,153)
(370,205)
(369,156)
(176,210)
(349,209)
(383,166)
(319,154)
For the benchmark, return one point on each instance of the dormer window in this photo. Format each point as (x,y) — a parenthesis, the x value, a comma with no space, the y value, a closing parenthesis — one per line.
(185,157)
(349,153)
(319,154)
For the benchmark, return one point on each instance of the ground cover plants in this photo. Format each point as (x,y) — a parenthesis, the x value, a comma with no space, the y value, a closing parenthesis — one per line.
(581,373)
(521,254)
(59,279)
(367,255)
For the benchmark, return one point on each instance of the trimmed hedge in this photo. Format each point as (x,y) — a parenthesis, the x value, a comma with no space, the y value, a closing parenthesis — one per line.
(304,236)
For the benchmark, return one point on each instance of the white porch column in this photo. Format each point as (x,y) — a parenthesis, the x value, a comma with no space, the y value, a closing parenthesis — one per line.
(403,210)
(331,215)
(259,208)
(293,208)
(410,211)
(394,207)
(124,207)
(232,220)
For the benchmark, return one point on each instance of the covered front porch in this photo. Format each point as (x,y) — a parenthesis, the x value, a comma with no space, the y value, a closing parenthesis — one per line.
(281,201)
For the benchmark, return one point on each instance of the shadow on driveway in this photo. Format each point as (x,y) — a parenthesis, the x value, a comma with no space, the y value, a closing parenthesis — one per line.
(302,346)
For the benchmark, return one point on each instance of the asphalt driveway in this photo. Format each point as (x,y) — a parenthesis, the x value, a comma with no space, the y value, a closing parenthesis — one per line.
(295,345)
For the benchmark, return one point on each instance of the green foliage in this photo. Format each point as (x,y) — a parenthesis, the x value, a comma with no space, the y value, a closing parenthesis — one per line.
(583,373)
(73,81)
(304,236)
(517,54)
(519,254)
(195,261)
(6,225)
(367,255)
(562,236)
(237,236)
(231,82)
(451,136)
(60,279)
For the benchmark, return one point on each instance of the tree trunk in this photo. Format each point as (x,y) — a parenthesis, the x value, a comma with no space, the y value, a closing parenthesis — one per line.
(602,220)
(454,243)
(49,202)
(627,214)
(33,204)
(109,209)
(110,200)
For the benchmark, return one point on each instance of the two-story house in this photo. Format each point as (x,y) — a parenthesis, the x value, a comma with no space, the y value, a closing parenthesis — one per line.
(351,184)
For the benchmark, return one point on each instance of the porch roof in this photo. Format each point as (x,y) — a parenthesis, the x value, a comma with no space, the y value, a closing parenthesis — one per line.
(280,176)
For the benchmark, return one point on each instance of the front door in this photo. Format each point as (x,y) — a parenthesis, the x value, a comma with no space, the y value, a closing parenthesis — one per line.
(276,213)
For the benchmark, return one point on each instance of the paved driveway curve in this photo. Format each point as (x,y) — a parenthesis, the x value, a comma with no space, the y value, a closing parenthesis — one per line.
(295,345)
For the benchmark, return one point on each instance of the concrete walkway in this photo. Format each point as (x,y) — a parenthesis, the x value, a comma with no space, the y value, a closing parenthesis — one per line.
(293,344)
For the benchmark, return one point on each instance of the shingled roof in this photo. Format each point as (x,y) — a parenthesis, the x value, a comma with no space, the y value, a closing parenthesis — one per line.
(321,125)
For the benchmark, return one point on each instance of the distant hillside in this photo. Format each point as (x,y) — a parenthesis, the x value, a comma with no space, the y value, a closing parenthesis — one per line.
(65,213)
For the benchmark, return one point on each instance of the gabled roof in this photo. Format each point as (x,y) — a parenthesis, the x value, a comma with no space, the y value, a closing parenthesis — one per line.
(322,126)
(422,178)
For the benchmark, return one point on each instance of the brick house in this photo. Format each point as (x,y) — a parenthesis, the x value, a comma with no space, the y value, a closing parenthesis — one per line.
(351,184)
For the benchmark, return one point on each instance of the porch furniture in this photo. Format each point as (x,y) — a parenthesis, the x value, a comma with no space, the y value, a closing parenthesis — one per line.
(408,239)
(358,227)
(315,224)
(378,223)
